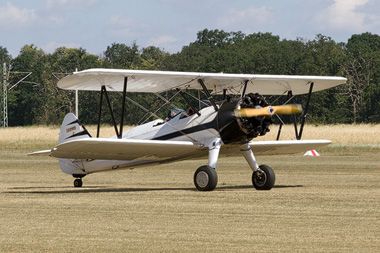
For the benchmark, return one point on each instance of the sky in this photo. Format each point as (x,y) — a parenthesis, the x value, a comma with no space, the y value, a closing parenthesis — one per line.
(172,24)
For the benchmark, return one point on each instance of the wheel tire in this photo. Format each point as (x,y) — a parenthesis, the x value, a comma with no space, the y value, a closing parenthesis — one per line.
(78,182)
(205,178)
(264,179)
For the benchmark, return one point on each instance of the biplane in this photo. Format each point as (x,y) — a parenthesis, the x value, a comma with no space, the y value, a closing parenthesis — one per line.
(216,128)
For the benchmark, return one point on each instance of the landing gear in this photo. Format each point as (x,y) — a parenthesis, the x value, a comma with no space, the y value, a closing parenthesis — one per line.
(205,178)
(78,182)
(263,178)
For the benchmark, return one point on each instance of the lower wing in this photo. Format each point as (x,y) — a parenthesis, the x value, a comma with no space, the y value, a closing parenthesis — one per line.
(286,147)
(125,149)
(276,147)
(115,149)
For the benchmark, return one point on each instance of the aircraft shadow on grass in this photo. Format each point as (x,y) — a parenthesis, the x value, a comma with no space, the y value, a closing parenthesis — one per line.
(105,189)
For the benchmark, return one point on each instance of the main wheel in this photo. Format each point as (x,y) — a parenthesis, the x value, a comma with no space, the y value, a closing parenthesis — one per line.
(78,182)
(205,178)
(264,178)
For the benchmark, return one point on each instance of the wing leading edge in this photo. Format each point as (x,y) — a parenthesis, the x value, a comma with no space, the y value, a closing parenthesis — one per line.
(159,81)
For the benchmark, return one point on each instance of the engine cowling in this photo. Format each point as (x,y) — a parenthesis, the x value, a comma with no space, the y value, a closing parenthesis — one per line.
(233,129)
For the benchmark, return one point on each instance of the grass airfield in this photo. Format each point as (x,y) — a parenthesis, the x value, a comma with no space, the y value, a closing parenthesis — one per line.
(319,204)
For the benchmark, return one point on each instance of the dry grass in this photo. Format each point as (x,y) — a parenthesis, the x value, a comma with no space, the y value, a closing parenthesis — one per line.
(41,136)
(325,204)
(339,134)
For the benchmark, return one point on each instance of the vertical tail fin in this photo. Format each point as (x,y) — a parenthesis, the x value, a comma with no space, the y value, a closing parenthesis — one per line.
(72,130)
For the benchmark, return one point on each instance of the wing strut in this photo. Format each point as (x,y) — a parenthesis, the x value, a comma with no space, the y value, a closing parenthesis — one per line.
(224,94)
(305,111)
(245,88)
(303,118)
(123,107)
(100,112)
(119,133)
(209,97)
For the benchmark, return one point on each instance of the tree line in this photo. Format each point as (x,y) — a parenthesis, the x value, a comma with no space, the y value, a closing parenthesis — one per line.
(37,100)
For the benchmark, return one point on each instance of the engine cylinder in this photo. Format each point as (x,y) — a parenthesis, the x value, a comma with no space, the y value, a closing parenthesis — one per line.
(234,129)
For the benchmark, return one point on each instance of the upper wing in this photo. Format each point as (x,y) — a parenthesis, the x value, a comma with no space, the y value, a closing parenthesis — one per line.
(126,149)
(159,81)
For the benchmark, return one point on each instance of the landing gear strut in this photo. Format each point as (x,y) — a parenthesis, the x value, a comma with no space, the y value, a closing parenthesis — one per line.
(205,178)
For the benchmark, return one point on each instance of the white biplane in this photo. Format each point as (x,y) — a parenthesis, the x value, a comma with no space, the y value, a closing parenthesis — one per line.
(213,130)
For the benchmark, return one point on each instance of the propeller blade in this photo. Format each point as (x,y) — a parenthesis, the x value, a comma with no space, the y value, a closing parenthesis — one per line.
(268,111)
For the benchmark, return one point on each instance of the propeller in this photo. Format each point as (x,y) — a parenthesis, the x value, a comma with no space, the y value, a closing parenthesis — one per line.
(268,110)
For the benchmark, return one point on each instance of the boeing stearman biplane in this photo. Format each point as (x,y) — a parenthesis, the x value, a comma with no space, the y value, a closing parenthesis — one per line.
(212,129)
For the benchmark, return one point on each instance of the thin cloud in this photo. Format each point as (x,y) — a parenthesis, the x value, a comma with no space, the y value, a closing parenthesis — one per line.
(166,42)
(163,40)
(51,46)
(123,26)
(246,18)
(69,4)
(15,16)
(121,21)
(344,15)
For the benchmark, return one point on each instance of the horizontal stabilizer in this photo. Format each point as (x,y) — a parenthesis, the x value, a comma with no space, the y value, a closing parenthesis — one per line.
(40,153)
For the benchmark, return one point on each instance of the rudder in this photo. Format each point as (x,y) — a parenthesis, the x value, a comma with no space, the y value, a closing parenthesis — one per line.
(71,129)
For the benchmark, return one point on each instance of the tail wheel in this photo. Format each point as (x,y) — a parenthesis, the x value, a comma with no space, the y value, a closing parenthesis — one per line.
(264,178)
(78,182)
(205,178)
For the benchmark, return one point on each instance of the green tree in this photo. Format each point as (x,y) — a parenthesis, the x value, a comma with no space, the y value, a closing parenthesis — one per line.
(67,60)
(122,56)
(362,71)
(4,55)
(26,98)
(152,58)
(323,56)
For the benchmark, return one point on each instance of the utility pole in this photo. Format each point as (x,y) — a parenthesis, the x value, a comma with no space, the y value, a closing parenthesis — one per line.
(4,98)
(4,93)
